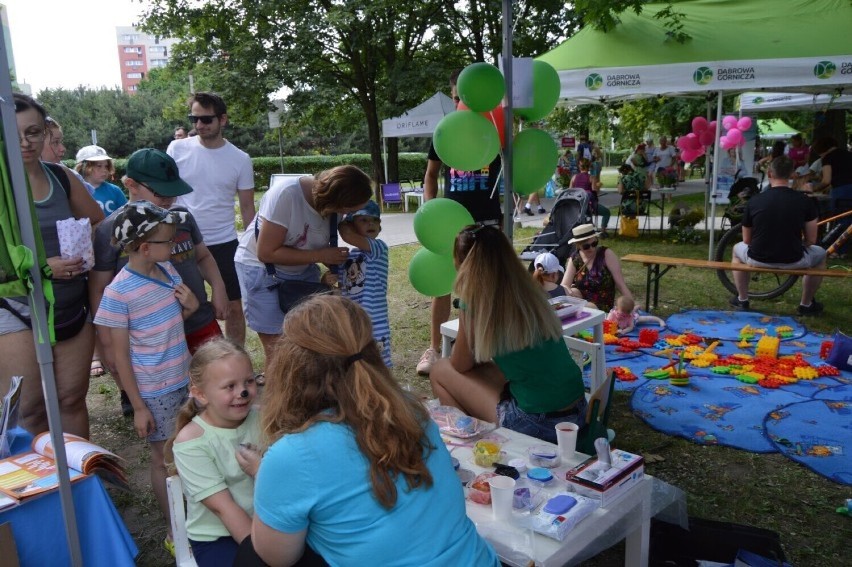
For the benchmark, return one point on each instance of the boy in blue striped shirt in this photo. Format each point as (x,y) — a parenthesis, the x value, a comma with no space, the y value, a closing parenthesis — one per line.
(364,276)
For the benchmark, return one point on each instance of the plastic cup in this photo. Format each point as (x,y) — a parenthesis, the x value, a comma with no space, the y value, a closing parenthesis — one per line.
(502,494)
(566,438)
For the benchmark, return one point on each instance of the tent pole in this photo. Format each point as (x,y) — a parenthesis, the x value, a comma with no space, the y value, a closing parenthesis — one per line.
(41,332)
(707,169)
(385,156)
(508,202)
(716,159)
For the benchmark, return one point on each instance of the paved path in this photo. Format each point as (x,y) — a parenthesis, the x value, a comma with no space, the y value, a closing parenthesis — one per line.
(398,228)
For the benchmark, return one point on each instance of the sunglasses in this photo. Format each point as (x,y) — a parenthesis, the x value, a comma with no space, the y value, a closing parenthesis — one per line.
(204,119)
(170,241)
(154,193)
(589,245)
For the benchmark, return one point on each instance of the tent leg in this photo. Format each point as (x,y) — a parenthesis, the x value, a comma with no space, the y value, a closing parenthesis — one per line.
(715,180)
(508,201)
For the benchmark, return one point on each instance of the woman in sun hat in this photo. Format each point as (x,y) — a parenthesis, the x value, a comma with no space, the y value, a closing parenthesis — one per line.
(593,272)
(96,167)
(548,272)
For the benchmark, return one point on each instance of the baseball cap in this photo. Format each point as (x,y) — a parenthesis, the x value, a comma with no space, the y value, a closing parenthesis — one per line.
(548,262)
(371,209)
(157,170)
(91,153)
(134,220)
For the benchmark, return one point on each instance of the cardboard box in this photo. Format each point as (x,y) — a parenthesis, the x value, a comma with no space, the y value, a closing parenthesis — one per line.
(607,483)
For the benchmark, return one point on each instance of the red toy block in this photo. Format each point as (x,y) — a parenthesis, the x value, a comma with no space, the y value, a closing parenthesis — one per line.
(648,336)
(824,349)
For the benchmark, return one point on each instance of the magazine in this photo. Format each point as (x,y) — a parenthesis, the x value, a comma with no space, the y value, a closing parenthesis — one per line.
(28,474)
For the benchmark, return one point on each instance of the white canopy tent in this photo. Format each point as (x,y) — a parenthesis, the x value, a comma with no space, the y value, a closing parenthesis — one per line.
(418,122)
(732,46)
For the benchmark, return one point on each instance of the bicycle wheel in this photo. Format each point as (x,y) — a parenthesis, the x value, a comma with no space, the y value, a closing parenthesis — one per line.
(762,285)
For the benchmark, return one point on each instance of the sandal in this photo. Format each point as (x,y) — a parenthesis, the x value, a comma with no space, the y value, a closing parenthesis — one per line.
(97,369)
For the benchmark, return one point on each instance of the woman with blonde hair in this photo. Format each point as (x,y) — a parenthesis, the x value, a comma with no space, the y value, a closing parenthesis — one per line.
(510,364)
(290,236)
(363,462)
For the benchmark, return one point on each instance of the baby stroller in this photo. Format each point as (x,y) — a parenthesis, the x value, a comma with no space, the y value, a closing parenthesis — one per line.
(741,191)
(570,209)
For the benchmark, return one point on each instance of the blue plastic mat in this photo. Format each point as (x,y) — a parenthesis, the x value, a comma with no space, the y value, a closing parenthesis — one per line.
(810,421)
(817,434)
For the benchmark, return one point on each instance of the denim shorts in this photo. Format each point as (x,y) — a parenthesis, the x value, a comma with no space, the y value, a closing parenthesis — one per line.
(538,425)
(260,304)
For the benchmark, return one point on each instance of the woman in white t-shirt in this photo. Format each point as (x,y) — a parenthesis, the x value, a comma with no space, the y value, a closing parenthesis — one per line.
(291,231)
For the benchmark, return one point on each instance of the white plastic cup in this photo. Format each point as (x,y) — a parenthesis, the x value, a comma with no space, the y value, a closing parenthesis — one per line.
(502,493)
(566,438)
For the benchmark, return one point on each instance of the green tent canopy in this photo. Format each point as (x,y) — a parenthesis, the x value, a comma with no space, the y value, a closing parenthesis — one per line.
(734,45)
(775,129)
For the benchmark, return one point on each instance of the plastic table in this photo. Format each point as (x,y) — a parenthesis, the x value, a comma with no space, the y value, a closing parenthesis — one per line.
(628,518)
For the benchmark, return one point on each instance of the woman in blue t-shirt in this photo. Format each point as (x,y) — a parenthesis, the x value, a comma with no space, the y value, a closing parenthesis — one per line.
(356,469)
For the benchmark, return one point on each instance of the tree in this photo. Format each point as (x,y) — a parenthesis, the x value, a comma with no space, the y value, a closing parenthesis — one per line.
(381,56)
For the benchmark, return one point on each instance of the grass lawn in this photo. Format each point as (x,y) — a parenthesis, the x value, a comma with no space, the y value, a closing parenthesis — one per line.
(765,490)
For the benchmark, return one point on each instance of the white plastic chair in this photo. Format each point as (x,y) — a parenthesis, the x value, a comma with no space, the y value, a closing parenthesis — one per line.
(177,512)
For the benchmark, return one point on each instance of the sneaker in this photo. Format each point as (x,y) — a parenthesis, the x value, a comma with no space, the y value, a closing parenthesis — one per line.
(542,211)
(126,406)
(739,305)
(426,361)
(814,308)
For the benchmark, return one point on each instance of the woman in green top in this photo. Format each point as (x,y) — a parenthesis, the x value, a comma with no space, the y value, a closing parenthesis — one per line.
(510,365)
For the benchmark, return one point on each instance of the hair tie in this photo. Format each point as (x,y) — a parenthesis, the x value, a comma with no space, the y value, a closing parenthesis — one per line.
(351,359)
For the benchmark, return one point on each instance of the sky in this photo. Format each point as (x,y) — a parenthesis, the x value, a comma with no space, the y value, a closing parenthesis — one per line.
(67,43)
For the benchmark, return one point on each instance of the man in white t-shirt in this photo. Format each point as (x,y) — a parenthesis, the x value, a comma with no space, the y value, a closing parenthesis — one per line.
(217,171)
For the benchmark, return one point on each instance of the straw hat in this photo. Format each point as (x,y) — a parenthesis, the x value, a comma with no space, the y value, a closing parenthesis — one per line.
(583,232)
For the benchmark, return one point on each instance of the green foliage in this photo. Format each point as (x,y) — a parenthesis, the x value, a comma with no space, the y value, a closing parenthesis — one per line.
(603,15)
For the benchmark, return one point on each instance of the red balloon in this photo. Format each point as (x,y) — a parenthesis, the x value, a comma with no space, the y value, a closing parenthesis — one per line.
(692,142)
(495,116)
(699,124)
(707,138)
(689,156)
(682,143)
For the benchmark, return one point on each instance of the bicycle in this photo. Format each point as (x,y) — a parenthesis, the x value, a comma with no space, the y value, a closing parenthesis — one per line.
(770,286)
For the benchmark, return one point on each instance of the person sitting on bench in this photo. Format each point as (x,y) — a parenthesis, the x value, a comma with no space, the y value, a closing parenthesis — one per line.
(773,225)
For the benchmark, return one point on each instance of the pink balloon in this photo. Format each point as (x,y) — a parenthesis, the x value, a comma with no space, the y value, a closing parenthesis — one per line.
(699,124)
(689,155)
(744,123)
(682,143)
(725,143)
(707,138)
(729,122)
(712,126)
(734,136)
(692,142)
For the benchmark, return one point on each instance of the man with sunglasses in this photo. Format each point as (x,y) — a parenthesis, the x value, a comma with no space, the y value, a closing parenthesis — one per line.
(217,171)
(475,190)
(153,176)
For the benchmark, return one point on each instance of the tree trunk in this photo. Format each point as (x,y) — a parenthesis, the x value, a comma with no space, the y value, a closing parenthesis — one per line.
(393,160)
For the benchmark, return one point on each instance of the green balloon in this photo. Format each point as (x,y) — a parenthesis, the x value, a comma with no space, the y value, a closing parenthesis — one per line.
(481,86)
(534,158)
(432,274)
(465,140)
(546,88)
(438,222)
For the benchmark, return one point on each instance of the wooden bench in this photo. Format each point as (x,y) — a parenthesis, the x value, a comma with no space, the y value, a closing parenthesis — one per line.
(654,275)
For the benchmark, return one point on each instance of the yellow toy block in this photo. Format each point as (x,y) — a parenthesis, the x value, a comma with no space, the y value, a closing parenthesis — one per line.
(768,346)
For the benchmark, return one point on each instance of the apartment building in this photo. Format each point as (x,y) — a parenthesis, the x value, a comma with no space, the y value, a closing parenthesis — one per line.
(138,53)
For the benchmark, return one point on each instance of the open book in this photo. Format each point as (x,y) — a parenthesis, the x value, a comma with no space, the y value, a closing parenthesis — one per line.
(32,473)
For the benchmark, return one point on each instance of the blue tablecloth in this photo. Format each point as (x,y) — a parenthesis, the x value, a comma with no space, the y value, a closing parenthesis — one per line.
(39,529)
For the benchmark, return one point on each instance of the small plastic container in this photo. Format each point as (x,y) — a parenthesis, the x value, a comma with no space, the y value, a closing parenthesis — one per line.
(486,452)
(519,465)
(479,490)
(540,477)
(545,456)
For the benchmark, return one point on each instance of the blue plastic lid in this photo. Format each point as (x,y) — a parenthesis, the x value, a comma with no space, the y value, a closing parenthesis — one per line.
(539,474)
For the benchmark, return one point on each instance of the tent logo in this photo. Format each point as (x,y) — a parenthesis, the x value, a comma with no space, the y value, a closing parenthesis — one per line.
(758,100)
(594,82)
(824,70)
(702,76)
